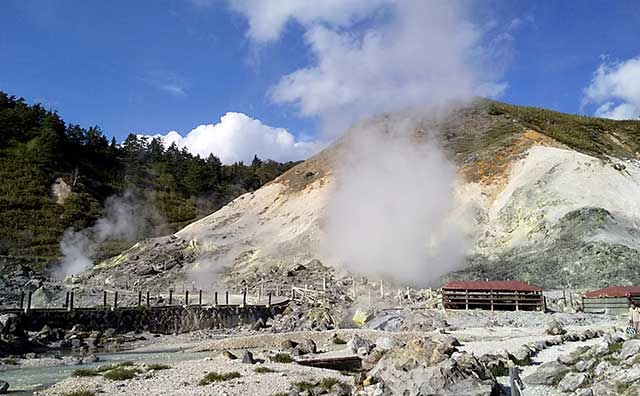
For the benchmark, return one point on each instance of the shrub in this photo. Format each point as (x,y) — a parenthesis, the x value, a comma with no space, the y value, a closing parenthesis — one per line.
(84,373)
(121,374)
(281,358)
(157,367)
(327,382)
(79,393)
(264,370)
(304,386)
(216,377)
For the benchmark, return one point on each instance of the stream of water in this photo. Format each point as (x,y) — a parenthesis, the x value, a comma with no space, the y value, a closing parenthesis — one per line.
(24,381)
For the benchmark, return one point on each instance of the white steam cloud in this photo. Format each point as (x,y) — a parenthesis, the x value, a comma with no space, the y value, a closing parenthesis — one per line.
(126,217)
(238,137)
(389,211)
(615,88)
(409,52)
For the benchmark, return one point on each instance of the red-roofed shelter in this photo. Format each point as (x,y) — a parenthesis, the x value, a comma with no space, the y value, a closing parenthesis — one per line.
(613,300)
(493,295)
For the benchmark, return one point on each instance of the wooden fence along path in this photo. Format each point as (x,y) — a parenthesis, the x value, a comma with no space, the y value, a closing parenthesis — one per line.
(111,300)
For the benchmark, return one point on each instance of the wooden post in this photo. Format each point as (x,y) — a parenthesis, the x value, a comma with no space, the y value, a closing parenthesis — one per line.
(244,298)
(517,301)
(170,296)
(227,297)
(269,304)
(71,298)
(28,307)
(564,297)
(293,293)
(21,300)
(466,300)
(115,300)
(104,298)
(66,300)
(215,299)
(570,298)
(139,297)
(200,297)
(514,380)
(354,287)
(491,299)
(186,298)
(148,298)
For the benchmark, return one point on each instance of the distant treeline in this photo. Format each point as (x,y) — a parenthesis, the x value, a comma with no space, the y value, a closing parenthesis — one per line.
(37,148)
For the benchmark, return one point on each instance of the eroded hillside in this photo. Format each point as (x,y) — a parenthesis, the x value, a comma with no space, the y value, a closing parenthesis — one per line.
(546,197)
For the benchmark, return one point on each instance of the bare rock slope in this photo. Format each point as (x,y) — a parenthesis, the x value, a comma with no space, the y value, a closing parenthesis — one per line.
(551,198)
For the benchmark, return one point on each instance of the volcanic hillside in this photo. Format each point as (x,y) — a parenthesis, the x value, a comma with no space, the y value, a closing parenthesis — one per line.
(549,198)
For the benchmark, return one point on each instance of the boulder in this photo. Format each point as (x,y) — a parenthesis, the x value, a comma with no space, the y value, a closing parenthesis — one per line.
(305,347)
(90,359)
(572,381)
(4,387)
(584,392)
(629,348)
(288,344)
(521,356)
(549,373)
(585,365)
(356,342)
(386,343)
(554,327)
(247,358)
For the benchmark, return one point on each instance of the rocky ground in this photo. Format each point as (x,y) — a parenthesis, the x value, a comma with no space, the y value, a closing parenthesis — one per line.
(427,351)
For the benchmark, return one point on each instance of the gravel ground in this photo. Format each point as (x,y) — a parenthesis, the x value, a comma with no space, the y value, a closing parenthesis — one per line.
(183,378)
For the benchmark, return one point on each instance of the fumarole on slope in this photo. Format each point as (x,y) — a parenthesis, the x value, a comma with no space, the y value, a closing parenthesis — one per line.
(548,198)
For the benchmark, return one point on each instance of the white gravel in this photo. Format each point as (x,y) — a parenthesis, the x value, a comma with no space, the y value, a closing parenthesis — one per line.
(183,379)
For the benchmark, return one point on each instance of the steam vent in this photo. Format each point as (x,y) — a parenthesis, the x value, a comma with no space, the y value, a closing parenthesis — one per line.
(319,198)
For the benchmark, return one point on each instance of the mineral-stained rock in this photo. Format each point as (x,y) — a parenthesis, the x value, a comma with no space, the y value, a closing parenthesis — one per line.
(549,373)
(229,355)
(572,381)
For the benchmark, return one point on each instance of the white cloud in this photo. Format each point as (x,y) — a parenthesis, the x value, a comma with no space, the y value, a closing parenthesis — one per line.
(267,18)
(401,53)
(615,89)
(168,82)
(238,137)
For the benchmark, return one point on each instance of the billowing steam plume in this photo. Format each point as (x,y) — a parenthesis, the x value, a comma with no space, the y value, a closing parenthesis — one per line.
(126,217)
(390,208)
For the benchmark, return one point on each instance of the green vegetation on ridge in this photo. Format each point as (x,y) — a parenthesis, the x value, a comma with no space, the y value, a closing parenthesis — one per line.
(37,148)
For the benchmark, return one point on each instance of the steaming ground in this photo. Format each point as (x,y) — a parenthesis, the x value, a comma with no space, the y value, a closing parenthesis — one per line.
(522,205)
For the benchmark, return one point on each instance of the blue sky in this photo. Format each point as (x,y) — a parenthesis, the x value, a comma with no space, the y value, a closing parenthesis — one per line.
(151,67)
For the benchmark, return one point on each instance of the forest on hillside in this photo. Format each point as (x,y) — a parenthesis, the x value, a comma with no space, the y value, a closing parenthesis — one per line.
(38,149)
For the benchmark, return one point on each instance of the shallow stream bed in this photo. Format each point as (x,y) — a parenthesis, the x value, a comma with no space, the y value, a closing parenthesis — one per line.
(26,381)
